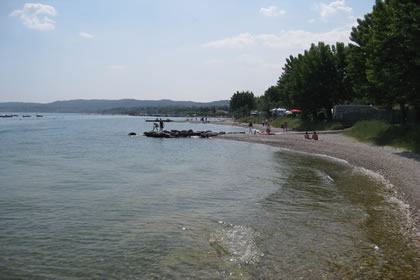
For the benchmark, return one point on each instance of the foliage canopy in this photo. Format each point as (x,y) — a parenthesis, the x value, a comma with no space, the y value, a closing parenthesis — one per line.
(381,67)
(241,103)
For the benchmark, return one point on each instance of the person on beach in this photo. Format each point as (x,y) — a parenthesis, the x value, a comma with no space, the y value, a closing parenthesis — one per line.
(250,125)
(268,129)
(161,126)
(285,125)
(314,136)
(307,135)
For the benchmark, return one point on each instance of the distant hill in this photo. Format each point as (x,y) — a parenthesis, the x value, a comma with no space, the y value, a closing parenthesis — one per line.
(100,106)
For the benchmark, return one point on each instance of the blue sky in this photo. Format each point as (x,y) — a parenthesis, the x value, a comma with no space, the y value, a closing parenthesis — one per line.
(199,50)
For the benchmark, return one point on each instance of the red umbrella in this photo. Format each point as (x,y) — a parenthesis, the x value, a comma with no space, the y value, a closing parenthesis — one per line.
(296,111)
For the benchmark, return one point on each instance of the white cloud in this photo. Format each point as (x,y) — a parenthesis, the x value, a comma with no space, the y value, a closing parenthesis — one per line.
(242,40)
(34,16)
(291,39)
(272,11)
(301,40)
(86,35)
(334,8)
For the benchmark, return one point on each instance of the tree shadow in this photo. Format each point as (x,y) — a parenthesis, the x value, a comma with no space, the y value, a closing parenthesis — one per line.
(409,155)
(407,137)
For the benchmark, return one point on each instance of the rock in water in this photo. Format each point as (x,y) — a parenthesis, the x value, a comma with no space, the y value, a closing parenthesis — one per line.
(181,134)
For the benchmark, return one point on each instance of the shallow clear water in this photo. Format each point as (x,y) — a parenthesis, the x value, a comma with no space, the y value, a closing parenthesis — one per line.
(80,200)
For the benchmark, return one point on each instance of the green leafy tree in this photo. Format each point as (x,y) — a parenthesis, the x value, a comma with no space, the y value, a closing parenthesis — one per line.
(384,61)
(271,99)
(241,103)
(260,103)
(286,82)
(315,80)
(356,61)
(343,86)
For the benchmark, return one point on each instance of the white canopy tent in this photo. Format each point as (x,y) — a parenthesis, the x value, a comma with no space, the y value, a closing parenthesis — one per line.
(278,111)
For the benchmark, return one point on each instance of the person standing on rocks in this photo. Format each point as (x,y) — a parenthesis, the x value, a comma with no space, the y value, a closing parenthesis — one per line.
(155,127)
(161,125)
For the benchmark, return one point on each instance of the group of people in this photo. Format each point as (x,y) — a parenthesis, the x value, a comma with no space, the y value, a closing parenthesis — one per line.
(284,126)
(160,126)
(265,123)
(255,131)
(268,129)
(314,136)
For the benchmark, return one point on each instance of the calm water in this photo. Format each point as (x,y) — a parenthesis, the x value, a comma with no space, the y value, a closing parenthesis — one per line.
(79,199)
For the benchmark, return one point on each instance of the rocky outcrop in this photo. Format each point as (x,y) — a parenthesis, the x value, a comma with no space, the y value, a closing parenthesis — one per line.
(185,133)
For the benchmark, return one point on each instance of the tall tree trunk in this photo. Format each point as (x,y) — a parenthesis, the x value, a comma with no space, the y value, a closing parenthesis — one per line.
(403,110)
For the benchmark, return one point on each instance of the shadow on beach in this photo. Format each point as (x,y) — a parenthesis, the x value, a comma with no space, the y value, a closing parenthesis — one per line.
(409,155)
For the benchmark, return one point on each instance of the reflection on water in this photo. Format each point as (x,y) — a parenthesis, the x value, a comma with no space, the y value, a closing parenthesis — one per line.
(82,200)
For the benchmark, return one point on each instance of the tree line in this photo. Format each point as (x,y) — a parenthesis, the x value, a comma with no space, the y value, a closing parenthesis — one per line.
(174,111)
(381,66)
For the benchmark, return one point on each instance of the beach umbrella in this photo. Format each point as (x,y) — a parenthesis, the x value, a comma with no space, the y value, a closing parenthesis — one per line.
(295,111)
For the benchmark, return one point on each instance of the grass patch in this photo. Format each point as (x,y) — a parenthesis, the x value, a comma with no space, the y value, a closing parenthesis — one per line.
(384,134)
(300,125)
(292,123)
(296,123)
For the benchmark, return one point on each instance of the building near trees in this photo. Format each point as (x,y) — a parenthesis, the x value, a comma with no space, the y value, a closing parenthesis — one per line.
(354,113)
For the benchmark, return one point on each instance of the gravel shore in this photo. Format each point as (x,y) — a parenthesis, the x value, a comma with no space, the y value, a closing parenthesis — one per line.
(400,168)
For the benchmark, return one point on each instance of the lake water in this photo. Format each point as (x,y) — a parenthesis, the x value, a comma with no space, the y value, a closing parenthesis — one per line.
(79,199)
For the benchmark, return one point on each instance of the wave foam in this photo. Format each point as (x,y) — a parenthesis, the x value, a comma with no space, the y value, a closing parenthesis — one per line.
(237,242)
(391,197)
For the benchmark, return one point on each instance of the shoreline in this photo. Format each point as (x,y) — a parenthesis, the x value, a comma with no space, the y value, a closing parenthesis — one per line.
(398,167)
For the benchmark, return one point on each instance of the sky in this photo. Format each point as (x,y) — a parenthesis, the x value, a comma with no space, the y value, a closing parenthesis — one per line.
(195,50)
